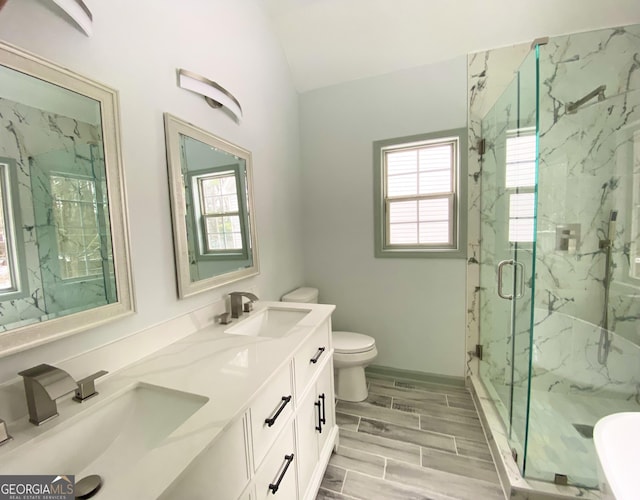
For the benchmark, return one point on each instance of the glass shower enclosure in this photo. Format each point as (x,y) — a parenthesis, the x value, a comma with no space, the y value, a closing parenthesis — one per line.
(560,262)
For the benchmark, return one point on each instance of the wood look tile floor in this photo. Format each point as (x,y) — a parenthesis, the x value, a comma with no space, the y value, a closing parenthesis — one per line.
(410,440)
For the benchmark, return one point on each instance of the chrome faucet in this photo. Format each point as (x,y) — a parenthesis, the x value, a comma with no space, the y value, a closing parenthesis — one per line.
(236,303)
(43,384)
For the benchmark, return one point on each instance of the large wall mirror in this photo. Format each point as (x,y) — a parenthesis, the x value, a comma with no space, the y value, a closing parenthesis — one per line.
(64,258)
(212,208)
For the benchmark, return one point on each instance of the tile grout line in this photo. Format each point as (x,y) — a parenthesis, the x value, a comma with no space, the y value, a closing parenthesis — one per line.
(344,480)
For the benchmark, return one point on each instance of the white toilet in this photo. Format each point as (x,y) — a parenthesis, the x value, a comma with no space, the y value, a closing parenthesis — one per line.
(352,352)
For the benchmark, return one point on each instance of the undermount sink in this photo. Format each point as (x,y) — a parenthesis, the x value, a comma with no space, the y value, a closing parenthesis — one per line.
(274,322)
(617,441)
(107,438)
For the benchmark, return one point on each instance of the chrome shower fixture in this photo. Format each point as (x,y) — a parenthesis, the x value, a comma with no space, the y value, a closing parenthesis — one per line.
(572,107)
(604,344)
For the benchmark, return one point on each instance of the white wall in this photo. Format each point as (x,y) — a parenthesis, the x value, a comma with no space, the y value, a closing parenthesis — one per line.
(136,48)
(415,308)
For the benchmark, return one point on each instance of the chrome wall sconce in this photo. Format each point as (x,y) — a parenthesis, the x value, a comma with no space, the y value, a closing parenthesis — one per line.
(79,13)
(215,95)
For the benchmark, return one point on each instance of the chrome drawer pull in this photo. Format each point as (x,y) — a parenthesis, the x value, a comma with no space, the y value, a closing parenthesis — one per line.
(274,487)
(317,356)
(272,420)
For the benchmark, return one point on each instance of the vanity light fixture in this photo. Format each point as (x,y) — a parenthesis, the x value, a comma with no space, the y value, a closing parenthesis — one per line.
(215,95)
(79,12)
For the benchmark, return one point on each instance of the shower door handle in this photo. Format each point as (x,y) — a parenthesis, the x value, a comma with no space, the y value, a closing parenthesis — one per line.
(517,266)
(500,271)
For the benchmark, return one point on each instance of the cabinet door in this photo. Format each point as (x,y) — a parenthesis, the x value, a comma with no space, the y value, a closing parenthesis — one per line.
(326,398)
(307,422)
(221,472)
(278,470)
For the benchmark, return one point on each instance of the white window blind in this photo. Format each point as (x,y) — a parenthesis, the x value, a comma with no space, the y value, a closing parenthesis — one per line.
(220,212)
(520,176)
(419,186)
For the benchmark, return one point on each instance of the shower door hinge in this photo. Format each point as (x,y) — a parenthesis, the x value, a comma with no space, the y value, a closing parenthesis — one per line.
(482,146)
(479,351)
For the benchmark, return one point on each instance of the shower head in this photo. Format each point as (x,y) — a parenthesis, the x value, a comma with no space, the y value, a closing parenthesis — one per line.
(572,107)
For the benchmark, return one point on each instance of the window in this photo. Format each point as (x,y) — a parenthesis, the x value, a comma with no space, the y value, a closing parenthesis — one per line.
(218,213)
(520,180)
(418,195)
(13,274)
(75,216)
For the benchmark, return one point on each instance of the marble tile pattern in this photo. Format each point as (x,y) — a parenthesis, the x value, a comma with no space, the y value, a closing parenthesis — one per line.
(30,135)
(410,440)
(588,164)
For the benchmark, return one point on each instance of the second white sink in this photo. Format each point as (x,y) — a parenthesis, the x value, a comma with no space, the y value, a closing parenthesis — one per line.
(274,322)
(108,438)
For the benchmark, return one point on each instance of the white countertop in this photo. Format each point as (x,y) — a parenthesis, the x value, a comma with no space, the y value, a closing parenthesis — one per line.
(227,369)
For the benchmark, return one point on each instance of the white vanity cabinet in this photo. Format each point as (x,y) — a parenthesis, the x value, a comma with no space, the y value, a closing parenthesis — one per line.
(274,450)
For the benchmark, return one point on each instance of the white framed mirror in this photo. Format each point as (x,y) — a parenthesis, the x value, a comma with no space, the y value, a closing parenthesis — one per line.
(64,247)
(212,208)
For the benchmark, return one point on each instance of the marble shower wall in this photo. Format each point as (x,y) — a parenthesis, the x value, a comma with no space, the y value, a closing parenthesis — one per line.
(587,168)
(586,165)
(28,134)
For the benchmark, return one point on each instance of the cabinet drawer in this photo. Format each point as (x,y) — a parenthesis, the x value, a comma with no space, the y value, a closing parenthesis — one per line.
(270,412)
(311,355)
(278,470)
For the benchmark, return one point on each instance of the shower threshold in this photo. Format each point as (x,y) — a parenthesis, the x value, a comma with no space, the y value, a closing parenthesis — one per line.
(514,485)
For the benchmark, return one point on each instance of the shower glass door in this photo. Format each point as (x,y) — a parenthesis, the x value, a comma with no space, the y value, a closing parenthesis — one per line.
(508,215)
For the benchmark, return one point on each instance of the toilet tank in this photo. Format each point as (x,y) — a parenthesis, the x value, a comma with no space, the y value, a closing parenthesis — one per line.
(302,294)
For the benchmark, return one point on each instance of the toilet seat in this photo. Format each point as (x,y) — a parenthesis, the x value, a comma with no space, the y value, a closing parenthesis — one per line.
(352,343)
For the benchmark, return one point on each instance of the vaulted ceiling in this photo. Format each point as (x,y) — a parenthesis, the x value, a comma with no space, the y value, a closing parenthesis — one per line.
(333,41)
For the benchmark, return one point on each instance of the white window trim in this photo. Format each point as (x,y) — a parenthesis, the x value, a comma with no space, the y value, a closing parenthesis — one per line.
(13,232)
(457,198)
